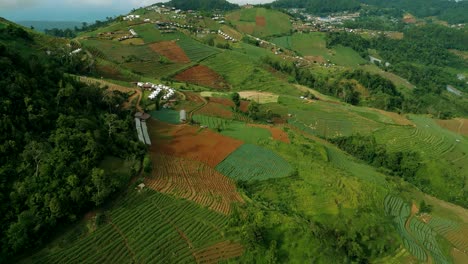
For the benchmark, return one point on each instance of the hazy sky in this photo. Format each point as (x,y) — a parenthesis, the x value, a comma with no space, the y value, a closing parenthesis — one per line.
(76,10)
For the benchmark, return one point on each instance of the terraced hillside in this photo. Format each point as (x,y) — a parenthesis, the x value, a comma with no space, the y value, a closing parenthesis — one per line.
(147,226)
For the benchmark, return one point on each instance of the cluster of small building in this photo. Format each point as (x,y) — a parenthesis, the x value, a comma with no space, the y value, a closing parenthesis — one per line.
(133,34)
(171,25)
(157,90)
(226,36)
(131,17)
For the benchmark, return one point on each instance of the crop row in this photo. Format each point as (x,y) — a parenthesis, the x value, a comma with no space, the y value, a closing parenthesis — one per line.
(250,163)
(147,226)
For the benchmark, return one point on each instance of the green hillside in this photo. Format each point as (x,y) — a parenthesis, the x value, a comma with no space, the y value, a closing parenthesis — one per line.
(321,157)
(260,22)
(202,5)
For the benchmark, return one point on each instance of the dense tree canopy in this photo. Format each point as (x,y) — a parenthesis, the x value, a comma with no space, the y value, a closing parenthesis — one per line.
(54,133)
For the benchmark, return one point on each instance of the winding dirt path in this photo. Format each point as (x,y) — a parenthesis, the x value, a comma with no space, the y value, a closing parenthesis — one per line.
(115,87)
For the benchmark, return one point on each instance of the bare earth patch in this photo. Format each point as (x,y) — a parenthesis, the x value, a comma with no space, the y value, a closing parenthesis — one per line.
(457,125)
(170,50)
(276,132)
(218,252)
(190,142)
(259,97)
(194,181)
(204,76)
(260,21)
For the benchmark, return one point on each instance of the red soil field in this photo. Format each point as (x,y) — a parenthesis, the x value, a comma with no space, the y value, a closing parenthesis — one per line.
(260,21)
(189,142)
(215,109)
(276,133)
(170,50)
(227,102)
(218,252)
(194,181)
(202,75)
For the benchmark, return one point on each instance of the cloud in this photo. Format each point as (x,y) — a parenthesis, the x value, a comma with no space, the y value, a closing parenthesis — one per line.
(15,4)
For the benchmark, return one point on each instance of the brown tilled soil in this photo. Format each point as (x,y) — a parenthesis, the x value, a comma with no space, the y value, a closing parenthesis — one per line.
(260,21)
(218,252)
(194,181)
(191,142)
(458,125)
(170,50)
(216,110)
(203,76)
(276,133)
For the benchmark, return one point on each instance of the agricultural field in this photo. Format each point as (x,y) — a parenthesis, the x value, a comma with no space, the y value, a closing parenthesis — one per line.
(276,133)
(260,22)
(190,142)
(328,120)
(314,45)
(267,165)
(166,115)
(458,125)
(203,76)
(193,181)
(242,74)
(170,50)
(144,227)
(195,50)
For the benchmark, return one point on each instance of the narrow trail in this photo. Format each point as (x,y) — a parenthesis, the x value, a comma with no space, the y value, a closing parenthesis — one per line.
(190,114)
(115,87)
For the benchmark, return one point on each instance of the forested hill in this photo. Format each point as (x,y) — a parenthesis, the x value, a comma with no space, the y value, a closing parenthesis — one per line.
(202,5)
(55,133)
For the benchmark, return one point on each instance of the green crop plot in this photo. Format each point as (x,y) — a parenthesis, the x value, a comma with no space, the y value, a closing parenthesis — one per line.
(195,50)
(427,138)
(328,120)
(253,163)
(243,74)
(147,226)
(121,53)
(234,129)
(260,22)
(168,116)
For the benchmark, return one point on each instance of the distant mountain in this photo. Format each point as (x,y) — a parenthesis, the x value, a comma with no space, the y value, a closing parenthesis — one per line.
(42,25)
(320,6)
(204,5)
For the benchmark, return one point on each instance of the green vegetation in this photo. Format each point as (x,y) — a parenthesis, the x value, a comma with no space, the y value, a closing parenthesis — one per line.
(242,73)
(253,163)
(141,227)
(195,50)
(260,22)
(166,115)
(56,146)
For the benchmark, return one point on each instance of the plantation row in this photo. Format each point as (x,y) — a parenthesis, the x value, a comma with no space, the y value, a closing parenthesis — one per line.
(253,163)
(148,227)
(211,122)
(194,49)
(427,237)
(419,238)
(452,231)
(194,181)
(396,207)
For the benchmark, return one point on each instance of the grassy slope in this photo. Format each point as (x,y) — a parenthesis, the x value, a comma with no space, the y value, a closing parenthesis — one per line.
(245,21)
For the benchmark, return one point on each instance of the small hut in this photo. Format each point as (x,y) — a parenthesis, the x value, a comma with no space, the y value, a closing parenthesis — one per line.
(183,116)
